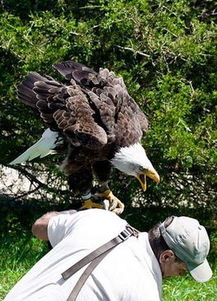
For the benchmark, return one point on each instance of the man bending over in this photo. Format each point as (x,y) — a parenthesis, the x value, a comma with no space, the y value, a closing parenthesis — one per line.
(132,271)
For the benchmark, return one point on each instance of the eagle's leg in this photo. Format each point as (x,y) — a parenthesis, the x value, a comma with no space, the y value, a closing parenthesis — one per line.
(91,202)
(80,184)
(102,171)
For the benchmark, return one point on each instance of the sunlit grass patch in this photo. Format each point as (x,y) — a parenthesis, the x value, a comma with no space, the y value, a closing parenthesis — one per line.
(187,289)
(18,254)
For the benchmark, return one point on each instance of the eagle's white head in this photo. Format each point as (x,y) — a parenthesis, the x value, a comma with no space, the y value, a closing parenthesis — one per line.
(133,161)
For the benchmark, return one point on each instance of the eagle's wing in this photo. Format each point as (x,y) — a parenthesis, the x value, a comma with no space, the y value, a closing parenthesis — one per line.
(64,109)
(95,110)
(124,103)
(115,110)
(46,145)
(131,122)
(76,71)
(93,86)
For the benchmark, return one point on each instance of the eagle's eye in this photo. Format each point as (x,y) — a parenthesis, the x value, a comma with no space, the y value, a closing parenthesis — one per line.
(143,170)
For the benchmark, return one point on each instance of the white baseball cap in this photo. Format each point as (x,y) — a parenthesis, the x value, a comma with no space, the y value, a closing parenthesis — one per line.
(190,242)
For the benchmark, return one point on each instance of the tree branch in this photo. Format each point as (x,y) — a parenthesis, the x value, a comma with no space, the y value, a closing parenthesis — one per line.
(133,50)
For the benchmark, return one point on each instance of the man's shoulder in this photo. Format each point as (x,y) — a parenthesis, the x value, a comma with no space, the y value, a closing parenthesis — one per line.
(97,216)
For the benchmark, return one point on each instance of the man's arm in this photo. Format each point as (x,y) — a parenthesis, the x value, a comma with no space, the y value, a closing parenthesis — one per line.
(39,228)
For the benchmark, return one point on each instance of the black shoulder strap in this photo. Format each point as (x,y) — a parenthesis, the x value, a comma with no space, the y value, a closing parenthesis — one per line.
(94,258)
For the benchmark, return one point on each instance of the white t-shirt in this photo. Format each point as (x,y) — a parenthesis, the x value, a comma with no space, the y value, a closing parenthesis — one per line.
(130,272)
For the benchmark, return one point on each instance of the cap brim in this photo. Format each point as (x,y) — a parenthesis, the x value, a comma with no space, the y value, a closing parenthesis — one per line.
(200,273)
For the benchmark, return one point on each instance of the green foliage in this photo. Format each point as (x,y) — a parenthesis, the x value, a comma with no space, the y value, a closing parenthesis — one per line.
(166,53)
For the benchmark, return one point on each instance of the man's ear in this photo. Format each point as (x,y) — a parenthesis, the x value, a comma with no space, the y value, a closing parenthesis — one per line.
(167,256)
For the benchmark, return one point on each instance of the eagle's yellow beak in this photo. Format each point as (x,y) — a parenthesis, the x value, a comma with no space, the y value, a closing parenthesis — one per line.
(151,173)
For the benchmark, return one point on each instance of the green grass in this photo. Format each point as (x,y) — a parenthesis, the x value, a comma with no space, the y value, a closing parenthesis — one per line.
(19,253)
(186,289)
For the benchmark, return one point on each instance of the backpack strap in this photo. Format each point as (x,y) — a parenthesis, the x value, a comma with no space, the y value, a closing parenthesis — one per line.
(94,258)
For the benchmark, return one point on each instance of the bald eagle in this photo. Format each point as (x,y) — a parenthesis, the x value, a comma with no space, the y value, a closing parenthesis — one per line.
(97,119)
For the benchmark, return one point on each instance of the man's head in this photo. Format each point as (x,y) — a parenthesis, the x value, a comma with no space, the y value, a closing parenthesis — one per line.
(181,244)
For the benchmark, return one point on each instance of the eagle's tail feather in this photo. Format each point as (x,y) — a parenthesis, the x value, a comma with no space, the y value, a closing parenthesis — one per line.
(45,146)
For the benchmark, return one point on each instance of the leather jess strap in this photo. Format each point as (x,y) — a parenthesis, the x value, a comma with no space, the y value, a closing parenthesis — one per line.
(94,258)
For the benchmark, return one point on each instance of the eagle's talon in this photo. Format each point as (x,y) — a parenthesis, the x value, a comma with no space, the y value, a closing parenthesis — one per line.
(88,204)
(115,205)
(106,204)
